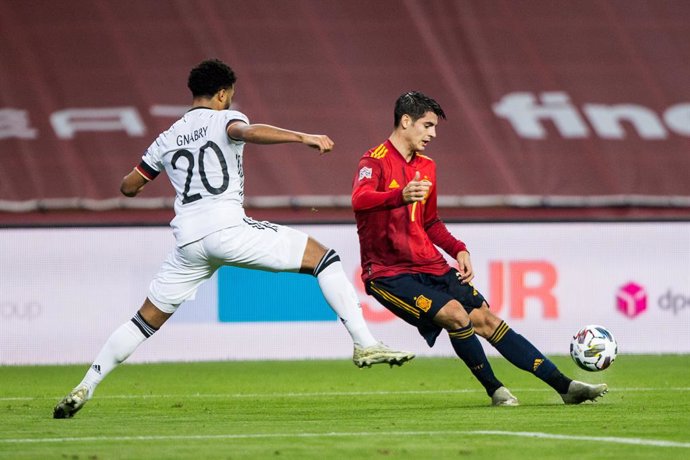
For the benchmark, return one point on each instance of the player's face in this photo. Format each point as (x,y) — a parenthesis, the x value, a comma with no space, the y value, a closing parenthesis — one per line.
(422,131)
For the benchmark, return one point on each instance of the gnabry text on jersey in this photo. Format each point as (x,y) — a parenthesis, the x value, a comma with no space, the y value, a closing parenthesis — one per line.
(184,139)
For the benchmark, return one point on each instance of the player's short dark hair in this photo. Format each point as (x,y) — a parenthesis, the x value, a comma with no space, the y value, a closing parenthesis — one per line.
(209,77)
(415,104)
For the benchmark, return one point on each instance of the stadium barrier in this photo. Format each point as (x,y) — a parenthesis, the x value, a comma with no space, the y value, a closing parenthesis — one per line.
(64,290)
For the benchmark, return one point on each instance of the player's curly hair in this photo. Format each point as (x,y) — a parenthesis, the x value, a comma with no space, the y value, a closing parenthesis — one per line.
(415,104)
(209,77)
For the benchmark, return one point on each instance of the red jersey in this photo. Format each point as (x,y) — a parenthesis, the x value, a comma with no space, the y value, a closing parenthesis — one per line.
(396,237)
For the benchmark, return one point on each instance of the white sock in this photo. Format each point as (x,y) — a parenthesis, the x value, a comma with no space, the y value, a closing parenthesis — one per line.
(121,343)
(341,296)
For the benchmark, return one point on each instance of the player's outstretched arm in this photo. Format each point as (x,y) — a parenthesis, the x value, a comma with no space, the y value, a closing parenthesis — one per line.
(267,134)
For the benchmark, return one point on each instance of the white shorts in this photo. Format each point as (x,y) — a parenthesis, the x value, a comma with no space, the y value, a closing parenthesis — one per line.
(252,244)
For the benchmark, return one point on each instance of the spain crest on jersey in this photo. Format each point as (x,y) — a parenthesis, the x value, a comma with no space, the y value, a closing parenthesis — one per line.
(423,303)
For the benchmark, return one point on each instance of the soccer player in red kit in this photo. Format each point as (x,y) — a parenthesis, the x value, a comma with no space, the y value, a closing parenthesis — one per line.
(394,198)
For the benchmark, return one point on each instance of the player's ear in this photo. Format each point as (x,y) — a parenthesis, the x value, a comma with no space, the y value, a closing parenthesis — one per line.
(405,121)
(221,95)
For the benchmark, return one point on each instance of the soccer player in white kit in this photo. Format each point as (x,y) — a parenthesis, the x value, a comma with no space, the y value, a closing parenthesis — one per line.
(202,156)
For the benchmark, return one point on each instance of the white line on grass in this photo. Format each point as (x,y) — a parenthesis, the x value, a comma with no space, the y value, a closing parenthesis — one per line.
(524,434)
(324,394)
(567,437)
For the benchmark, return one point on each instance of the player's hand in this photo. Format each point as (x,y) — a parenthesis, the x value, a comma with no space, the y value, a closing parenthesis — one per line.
(465,272)
(416,190)
(321,142)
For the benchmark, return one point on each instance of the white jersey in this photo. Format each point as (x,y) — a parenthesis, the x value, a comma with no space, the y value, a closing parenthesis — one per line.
(205,167)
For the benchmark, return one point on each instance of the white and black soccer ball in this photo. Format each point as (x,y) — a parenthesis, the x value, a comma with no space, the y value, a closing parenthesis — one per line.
(593,348)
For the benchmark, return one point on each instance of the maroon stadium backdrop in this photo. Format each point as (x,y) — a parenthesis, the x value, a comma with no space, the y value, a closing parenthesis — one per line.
(549,103)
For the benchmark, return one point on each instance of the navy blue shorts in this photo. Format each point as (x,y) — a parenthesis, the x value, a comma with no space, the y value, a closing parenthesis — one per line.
(417,297)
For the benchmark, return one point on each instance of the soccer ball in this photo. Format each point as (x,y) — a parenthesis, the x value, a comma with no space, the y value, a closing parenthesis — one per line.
(593,348)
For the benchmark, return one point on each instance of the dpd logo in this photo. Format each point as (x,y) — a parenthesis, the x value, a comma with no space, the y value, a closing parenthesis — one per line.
(631,299)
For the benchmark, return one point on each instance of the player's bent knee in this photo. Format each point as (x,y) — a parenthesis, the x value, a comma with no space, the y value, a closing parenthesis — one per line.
(313,254)
(452,316)
(153,315)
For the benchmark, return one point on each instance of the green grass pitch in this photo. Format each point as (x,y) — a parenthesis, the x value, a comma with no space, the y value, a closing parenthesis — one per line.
(426,409)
